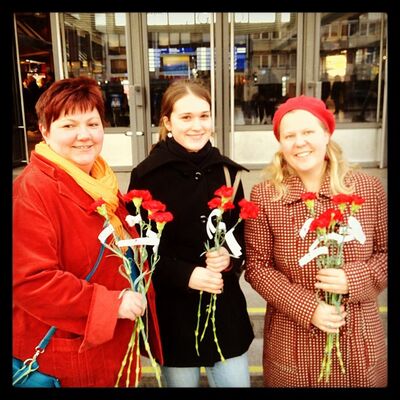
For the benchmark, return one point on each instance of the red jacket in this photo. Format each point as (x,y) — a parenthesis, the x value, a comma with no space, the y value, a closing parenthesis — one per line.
(55,245)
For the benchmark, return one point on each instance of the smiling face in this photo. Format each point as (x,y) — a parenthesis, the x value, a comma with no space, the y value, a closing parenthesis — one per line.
(190,122)
(77,137)
(303,142)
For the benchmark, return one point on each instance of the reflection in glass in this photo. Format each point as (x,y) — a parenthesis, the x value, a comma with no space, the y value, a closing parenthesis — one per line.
(179,47)
(96,47)
(36,66)
(265,64)
(350,63)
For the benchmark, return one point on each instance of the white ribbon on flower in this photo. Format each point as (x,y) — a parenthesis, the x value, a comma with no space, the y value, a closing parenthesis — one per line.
(356,229)
(133,219)
(153,235)
(312,254)
(105,233)
(306,226)
(234,247)
(210,228)
(151,241)
(314,244)
(346,234)
(232,243)
(337,237)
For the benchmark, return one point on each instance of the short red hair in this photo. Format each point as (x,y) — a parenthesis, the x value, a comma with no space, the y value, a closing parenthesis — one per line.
(67,96)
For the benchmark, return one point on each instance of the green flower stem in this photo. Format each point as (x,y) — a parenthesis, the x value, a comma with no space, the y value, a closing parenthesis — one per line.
(196,332)
(339,354)
(327,359)
(208,308)
(140,328)
(142,284)
(137,369)
(153,362)
(332,340)
(134,343)
(219,239)
(123,363)
(214,307)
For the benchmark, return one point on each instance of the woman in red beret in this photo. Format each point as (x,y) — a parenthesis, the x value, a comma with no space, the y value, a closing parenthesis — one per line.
(309,169)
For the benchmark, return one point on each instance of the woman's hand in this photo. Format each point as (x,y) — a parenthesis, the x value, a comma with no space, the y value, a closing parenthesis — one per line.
(206,280)
(133,305)
(332,280)
(218,260)
(327,318)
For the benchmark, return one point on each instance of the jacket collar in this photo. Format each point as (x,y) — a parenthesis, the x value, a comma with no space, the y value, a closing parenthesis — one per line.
(68,188)
(160,155)
(66,185)
(296,189)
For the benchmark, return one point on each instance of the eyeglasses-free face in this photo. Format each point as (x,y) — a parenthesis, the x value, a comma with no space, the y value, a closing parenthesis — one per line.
(303,141)
(77,137)
(190,122)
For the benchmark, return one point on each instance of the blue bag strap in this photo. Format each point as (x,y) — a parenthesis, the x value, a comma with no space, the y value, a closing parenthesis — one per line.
(134,269)
(46,339)
(30,365)
(96,264)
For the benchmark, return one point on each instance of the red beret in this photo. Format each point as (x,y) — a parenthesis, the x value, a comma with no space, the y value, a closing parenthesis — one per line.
(313,105)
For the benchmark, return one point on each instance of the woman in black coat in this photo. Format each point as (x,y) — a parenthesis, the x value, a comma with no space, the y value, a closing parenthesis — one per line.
(183,171)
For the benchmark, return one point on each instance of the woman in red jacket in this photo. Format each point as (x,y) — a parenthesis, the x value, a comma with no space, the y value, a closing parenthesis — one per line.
(56,244)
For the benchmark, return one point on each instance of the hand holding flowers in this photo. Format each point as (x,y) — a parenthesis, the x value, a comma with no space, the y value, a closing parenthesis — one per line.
(332,232)
(136,267)
(216,255)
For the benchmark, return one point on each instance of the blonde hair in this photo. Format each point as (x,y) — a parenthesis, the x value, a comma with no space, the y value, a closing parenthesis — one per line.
(336,166)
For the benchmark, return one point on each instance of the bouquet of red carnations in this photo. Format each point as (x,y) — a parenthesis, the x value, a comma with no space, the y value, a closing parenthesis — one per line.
(216,231)
(136,266)
(332,232)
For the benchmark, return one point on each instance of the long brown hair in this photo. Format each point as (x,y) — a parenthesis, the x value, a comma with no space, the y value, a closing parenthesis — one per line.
(175,91)
(69,95)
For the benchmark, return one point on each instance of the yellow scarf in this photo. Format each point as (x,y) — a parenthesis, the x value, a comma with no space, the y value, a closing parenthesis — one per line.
(101,183)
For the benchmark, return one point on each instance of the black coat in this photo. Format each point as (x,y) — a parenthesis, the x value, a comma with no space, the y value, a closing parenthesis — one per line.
(186,187)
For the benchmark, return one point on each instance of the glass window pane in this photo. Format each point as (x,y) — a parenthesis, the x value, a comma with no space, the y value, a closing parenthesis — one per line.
(96,47)
(265,64)
(349,60)
(36,66)
(178,48)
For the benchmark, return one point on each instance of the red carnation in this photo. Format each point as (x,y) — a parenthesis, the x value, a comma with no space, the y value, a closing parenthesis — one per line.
(226,192)
(248,209)
(153,206)
(214,203)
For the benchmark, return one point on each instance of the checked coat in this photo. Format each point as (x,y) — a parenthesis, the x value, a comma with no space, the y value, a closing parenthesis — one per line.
(293,347)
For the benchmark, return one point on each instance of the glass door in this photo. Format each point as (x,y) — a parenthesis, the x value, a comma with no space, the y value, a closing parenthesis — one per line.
(34,58)
(98,45)
(179,45)
(265,56)
(19,143)
(352,56)
(263,72)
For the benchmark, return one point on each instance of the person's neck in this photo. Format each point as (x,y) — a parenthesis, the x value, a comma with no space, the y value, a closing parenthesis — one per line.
(312,180)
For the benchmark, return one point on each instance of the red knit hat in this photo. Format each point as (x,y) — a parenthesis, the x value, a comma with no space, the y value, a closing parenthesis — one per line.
(313,105)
